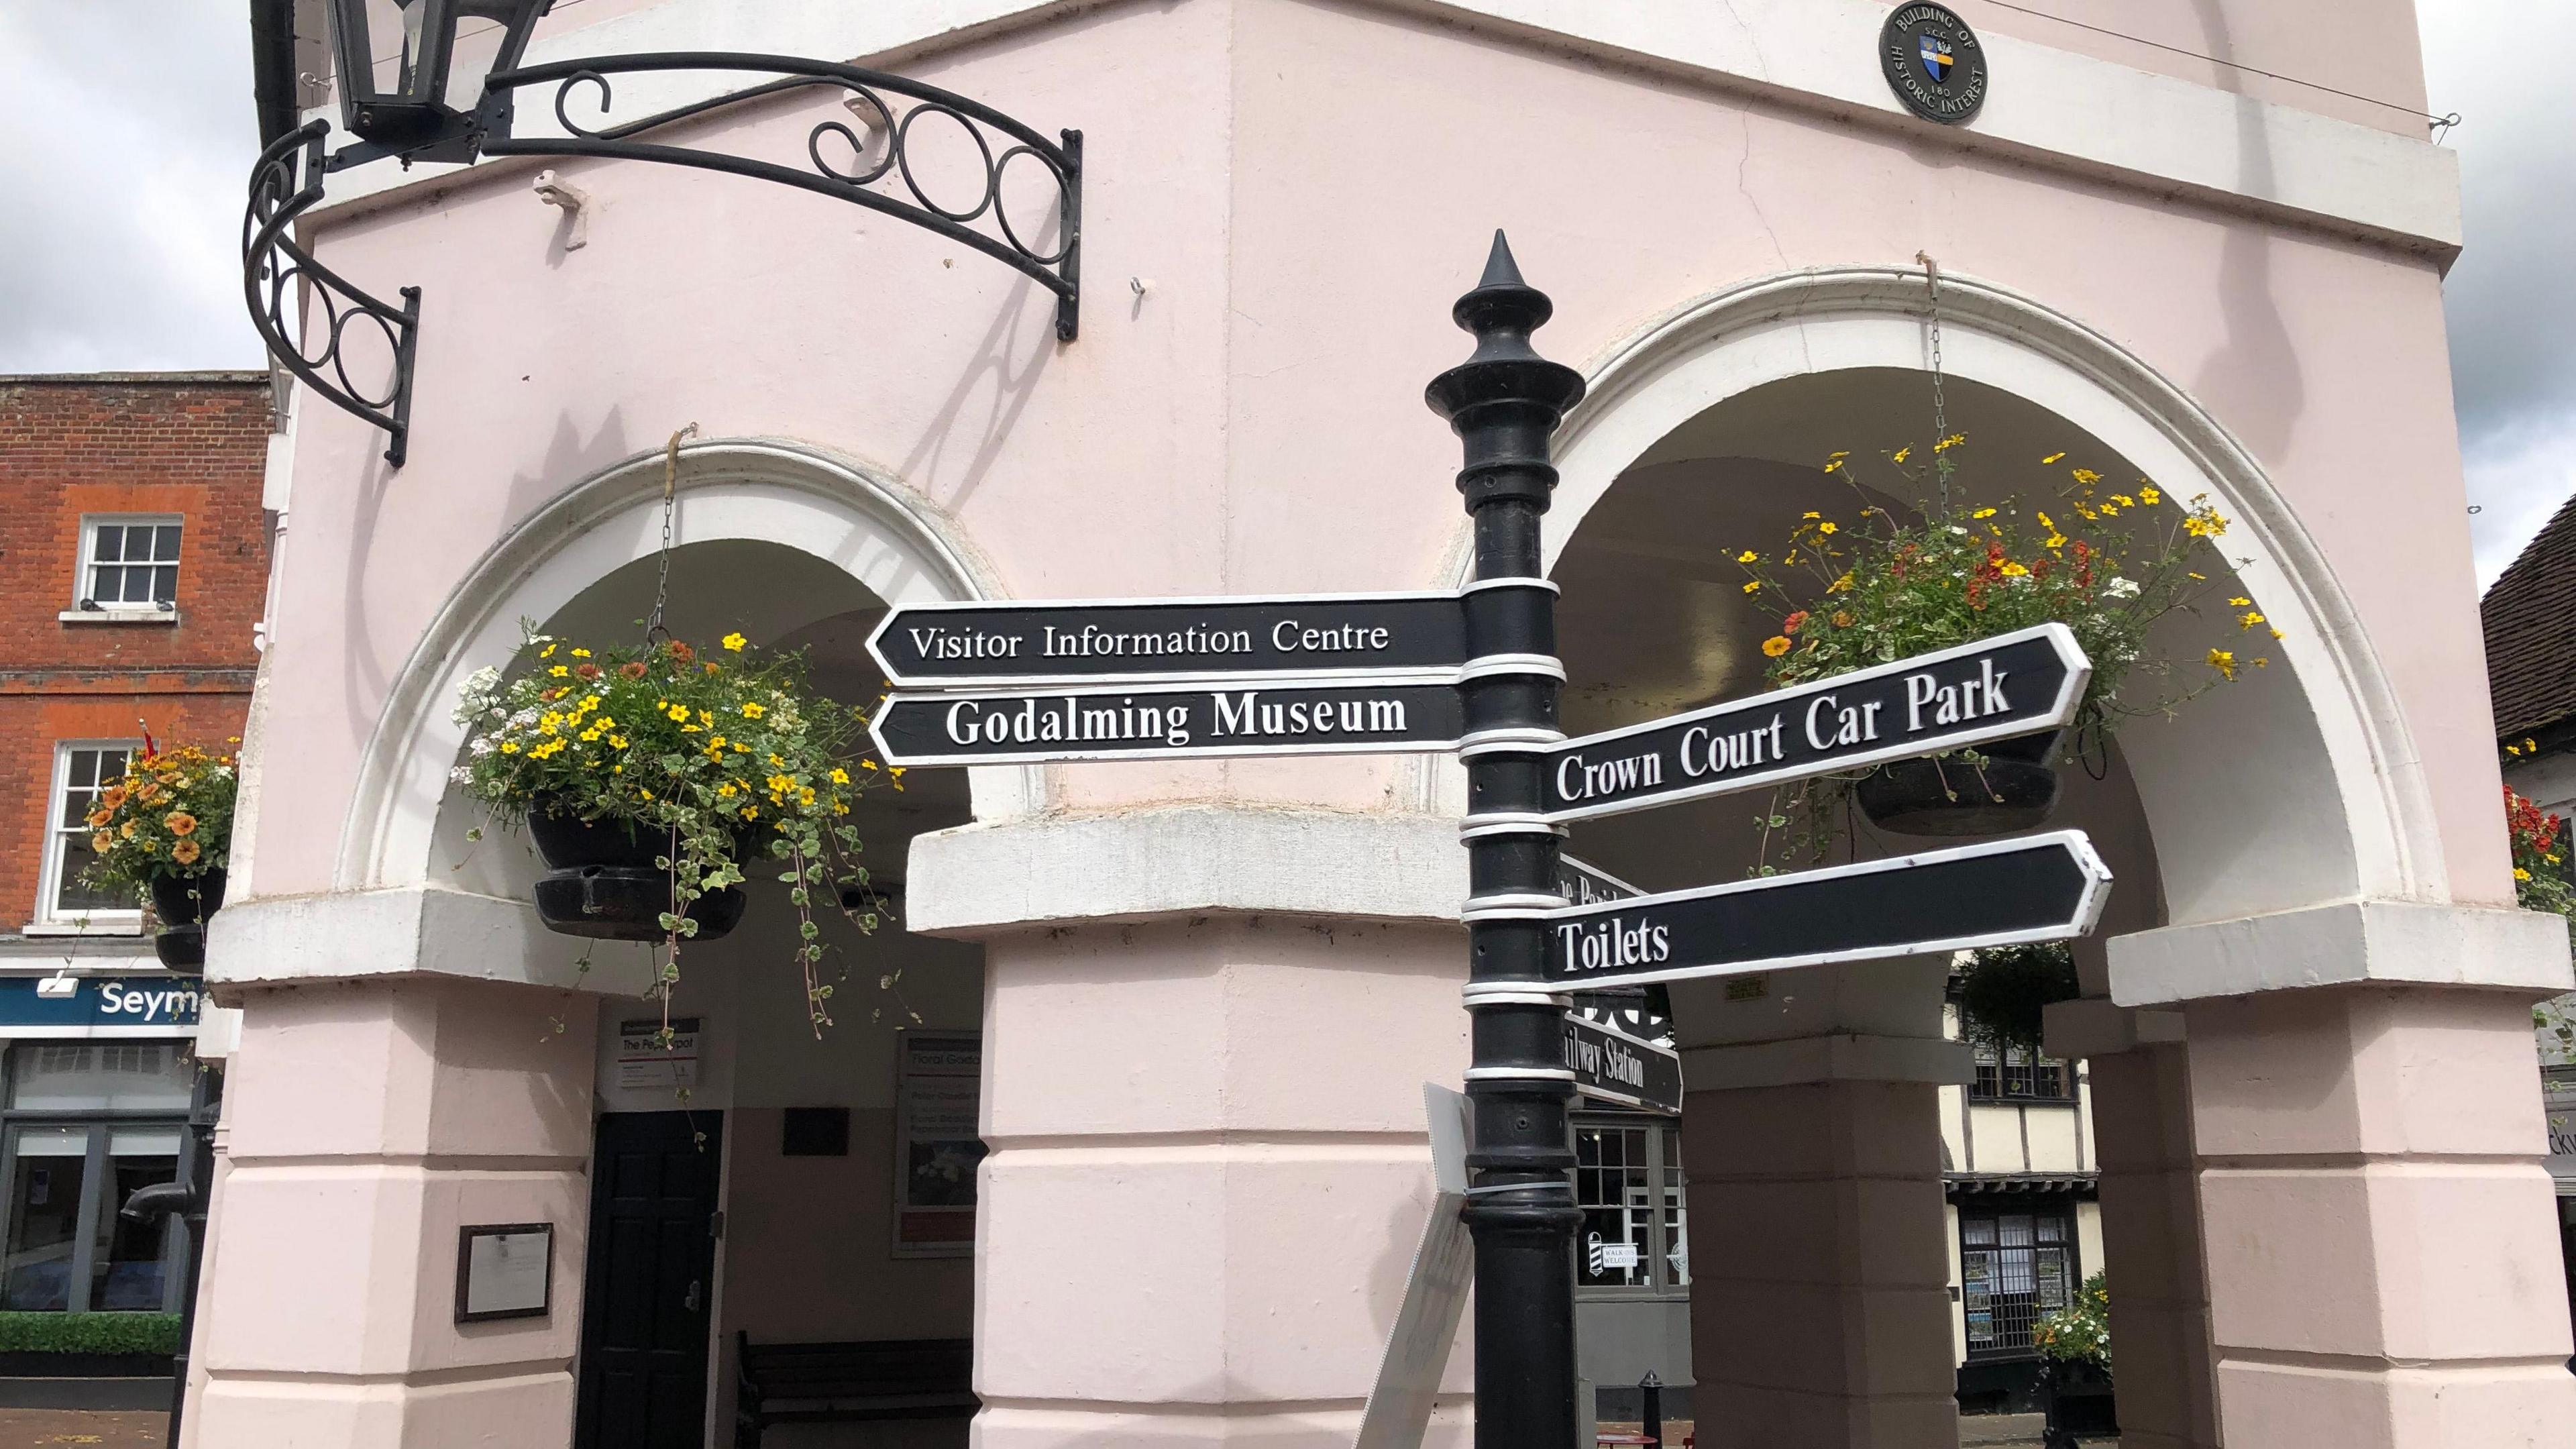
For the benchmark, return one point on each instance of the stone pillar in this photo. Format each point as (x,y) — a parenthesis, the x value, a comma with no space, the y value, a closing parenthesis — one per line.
(1820,1266)
(2149,1183)
(2382,1251)
(1206,1034)
(370,1114)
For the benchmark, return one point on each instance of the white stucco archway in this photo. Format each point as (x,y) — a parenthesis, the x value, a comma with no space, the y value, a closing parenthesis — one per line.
(2362,826)
(899,546)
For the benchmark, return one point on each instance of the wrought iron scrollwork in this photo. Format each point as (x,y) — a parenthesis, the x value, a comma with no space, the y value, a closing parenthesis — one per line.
(285,183)
(880,171)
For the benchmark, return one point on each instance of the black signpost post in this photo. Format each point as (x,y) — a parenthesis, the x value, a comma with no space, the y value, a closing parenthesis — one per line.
(1504,402)
(1475,671)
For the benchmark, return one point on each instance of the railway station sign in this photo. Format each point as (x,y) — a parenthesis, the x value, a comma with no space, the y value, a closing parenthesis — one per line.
(1994,689)
(1999,893)
(1609,1065)
(1106,641)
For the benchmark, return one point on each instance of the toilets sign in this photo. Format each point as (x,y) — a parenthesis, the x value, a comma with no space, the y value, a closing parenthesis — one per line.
(2033,888)
(1952,699)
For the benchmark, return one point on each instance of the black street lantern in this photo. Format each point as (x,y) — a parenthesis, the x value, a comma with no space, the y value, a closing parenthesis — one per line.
(394,57)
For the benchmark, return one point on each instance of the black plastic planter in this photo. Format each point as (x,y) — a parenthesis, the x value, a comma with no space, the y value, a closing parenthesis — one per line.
(2080,1404)
(2013,788)
(604,883)
(183,902)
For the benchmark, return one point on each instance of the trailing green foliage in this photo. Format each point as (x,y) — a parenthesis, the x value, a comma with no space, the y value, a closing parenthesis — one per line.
(2003,989)
(152,1333)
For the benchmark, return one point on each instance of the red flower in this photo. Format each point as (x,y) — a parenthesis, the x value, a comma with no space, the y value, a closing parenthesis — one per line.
(586,670)
(1790,625)
(632,669)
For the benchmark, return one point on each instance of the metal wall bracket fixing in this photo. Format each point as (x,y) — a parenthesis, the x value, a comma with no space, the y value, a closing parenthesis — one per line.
(841,160)
(285,183)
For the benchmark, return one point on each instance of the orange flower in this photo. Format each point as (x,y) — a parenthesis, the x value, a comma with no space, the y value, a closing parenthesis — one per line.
(102,842)
(99,817)
(147,792)
(586,671)
(181,823)
(632,669)
(185,852)
(1790,625)
(682,653)
(1776,645)
(111,797)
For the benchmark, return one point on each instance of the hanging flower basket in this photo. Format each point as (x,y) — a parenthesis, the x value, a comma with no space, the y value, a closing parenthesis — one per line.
(608,882)
(651,778)
(164,832)
(1870,589)
(2004,787)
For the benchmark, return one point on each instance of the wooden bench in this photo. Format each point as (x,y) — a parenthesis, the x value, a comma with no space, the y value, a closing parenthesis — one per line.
(820,1383)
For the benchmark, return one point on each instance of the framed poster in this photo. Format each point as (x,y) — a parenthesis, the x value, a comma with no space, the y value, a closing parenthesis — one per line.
(504,1270)
(936,1149)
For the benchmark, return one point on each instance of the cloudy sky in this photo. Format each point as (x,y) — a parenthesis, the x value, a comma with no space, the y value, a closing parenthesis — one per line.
(128,135)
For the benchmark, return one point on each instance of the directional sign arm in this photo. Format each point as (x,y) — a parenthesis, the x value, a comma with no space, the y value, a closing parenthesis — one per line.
(2035,888)
(2013,684)
(1103,641)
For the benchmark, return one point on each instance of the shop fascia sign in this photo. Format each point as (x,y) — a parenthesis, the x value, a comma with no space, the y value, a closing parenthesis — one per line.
(69,1005)
(1140,679)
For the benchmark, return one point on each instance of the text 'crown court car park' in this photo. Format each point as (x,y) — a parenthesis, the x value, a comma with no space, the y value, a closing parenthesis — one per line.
(1473,671)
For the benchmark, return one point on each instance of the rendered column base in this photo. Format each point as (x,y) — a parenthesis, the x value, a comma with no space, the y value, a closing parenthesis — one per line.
(533,1410)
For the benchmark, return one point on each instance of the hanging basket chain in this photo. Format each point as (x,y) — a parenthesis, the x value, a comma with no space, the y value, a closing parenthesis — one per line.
(1940,406)
(654,629)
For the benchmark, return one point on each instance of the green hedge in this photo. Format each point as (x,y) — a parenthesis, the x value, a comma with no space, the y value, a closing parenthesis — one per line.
(89,1333)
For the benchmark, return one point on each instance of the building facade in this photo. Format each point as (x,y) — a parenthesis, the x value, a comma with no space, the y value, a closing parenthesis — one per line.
(1171,1191)
(135,555)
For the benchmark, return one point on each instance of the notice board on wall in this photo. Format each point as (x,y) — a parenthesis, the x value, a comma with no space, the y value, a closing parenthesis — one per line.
(936,1149)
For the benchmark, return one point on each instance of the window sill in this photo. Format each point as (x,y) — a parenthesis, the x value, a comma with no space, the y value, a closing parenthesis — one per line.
(119,616)
(93,928)
(1975,1100)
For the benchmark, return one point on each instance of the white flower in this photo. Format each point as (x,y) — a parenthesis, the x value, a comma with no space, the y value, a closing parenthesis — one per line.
(1954,528)
(481,746)
(482,680)
(2120,588)
(461,775)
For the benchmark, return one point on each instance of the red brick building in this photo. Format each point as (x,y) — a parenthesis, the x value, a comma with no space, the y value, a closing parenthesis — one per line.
(133,569)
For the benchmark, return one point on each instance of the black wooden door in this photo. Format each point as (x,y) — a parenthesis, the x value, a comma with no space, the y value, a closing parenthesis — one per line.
(649,1291)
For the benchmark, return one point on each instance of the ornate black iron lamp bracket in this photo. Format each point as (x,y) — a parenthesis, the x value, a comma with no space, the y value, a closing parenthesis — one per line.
(285,184)
(867,160)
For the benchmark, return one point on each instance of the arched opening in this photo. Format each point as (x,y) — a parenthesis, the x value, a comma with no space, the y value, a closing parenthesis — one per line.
(1833,1128)
(760,1194)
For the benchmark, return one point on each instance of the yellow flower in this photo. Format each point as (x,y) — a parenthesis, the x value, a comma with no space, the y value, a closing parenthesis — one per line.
(560,670)
(1900,455)
(1952,441)
(617,741)
(1826,527)
(1748,556)
(727,790)
(547,653)
(581,654)
(2051,458)
(1809,514)
(1983,513)
(2054,542)
(2249,620)
(1753,588)
(753,709)
(840,776)
(2239,602)
(2520,874)
(2224,661)
(2014,571)
(2148,495)
(2085,476)
(2198,578)
(1835,463)
(509,747)
(2124,500)
(734,642)
(1841,585)
(1776,645)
